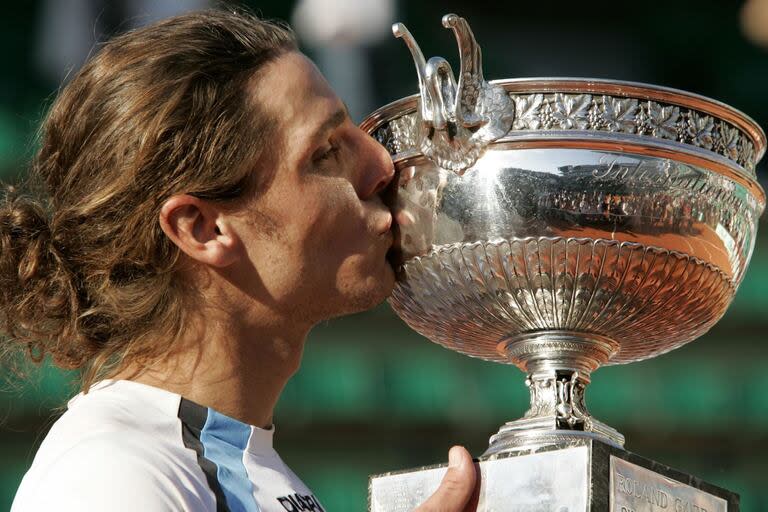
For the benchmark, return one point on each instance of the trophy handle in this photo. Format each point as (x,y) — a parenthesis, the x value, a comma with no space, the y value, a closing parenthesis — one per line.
(457,121)
(441,85)
(426,107)
(471,72)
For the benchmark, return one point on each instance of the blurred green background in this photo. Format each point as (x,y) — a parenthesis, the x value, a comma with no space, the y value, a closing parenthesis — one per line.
(373,396)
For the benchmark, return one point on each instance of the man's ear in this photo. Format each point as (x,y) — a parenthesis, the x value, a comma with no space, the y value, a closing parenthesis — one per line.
(200,229)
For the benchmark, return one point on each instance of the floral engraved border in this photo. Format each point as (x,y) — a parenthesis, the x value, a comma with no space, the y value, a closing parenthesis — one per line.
(563,111)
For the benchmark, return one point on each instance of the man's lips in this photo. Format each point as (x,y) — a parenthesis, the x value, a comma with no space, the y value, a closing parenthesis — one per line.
(390,237)
(384,224)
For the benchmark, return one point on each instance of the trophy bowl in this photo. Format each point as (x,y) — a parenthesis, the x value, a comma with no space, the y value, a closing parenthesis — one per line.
(562,224)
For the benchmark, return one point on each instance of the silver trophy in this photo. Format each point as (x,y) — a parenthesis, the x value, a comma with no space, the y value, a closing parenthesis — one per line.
(562,224)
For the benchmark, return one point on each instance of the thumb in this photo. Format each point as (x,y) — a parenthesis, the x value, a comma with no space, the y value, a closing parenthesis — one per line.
(457,486)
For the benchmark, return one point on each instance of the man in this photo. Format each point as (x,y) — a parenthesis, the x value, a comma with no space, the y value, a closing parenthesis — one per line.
(206,200)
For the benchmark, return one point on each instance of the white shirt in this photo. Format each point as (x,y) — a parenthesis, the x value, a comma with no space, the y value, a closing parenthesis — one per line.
(126,446)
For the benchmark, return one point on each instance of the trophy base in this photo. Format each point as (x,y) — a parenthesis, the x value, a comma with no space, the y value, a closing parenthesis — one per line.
(578,475)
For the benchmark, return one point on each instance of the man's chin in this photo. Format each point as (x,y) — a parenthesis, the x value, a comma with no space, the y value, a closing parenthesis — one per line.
(368,297)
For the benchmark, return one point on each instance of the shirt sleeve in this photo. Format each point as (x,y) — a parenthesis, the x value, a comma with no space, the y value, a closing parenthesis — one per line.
(99,474)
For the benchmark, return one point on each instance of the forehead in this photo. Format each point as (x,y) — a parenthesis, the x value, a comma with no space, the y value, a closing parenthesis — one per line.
(294,92)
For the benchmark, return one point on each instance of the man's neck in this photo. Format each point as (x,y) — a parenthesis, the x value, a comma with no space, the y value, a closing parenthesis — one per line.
(238,369)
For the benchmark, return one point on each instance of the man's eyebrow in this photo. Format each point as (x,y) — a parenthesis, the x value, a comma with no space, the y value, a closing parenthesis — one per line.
(334,120)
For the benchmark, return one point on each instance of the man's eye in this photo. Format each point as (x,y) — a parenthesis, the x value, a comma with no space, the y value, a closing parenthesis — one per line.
(327,154)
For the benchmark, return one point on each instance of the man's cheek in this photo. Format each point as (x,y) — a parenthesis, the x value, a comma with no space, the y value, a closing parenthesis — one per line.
(325,216)
(345,242)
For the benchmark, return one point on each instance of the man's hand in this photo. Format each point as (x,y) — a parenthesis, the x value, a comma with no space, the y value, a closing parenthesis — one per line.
(458,485)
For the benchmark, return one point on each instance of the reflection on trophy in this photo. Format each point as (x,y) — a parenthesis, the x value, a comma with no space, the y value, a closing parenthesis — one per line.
(559,225)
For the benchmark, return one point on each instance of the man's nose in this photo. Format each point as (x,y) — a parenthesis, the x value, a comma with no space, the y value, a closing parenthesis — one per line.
(379,169)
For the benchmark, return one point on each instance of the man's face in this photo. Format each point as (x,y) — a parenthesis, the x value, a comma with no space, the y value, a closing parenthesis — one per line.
(318,236)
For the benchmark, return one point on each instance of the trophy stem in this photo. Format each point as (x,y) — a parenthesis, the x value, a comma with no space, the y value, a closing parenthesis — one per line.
(559,365)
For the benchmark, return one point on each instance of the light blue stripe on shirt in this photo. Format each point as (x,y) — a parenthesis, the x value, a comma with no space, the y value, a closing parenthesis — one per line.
(224,440)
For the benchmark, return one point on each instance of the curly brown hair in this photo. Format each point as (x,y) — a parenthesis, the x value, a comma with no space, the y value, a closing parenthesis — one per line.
(86,274)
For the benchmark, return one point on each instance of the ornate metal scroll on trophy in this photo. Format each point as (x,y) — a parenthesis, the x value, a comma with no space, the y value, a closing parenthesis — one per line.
(559,225)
